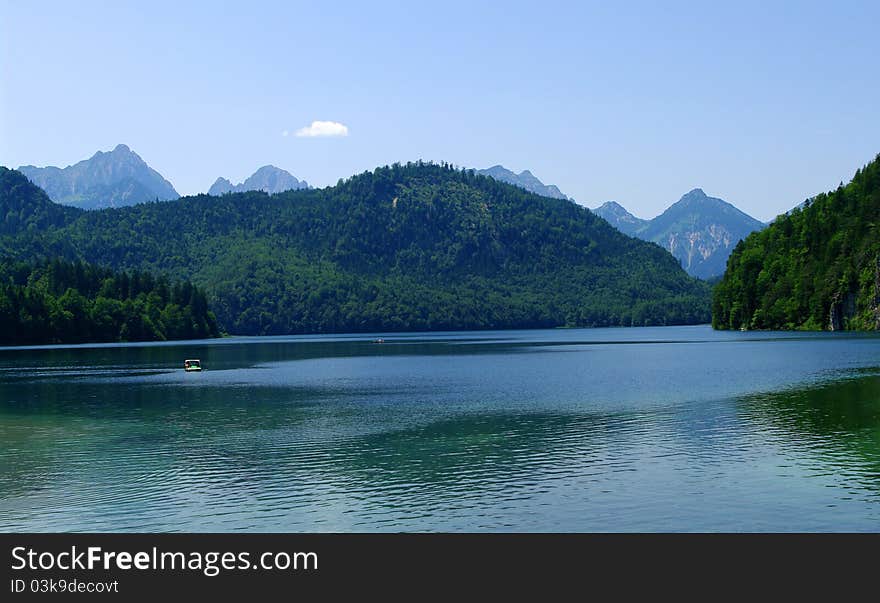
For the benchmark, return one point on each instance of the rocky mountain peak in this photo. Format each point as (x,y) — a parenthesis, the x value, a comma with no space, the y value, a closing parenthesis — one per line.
(107,179)
(268,178)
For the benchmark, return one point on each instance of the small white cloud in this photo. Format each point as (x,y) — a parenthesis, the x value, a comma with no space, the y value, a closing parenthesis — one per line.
(323,128)
(285,133)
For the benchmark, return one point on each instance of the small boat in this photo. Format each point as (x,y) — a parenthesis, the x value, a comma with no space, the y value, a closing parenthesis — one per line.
(380,340)
(192,365)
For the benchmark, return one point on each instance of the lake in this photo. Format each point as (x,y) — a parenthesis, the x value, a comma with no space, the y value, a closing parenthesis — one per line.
(641,429)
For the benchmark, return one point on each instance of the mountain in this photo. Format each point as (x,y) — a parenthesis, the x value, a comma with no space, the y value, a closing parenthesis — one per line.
(619,218)
(524,179)
(699,230)
(115,179)
(407,247)
(268,178)
(816,267)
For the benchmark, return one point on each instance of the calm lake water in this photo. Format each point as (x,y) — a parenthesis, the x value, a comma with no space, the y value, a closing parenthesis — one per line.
(645,429)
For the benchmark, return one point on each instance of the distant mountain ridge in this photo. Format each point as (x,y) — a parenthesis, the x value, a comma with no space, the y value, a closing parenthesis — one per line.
(268,178)
(699,230)
(107,179)
(524,179)
(616,215)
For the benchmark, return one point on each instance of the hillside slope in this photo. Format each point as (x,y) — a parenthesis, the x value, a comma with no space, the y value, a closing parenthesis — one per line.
(817,267)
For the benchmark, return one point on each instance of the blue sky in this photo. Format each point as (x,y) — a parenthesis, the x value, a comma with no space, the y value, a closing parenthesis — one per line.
(762,104)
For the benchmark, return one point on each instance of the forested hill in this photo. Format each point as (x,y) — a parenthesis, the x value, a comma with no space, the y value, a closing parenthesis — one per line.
(72,302)
(817,267)
(26,208)
(417,246)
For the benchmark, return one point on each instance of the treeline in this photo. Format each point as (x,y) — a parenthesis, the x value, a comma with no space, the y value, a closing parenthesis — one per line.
(404,247)
(72,302)
(817,267)
(321,299)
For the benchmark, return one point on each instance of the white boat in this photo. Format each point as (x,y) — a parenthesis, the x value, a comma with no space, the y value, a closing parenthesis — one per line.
(192,365)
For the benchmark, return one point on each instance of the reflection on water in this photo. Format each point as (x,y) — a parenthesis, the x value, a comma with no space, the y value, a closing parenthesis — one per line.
(667,429)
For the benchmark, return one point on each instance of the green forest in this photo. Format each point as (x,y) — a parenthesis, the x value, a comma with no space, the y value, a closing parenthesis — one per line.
(419,246)
(72,302)
(817,267)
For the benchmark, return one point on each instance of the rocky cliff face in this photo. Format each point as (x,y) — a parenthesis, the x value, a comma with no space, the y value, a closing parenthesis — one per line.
(875,305)
(112,179)
(843,308)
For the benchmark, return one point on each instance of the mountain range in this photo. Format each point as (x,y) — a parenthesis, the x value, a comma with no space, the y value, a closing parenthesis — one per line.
(113,179)
(524,179)
(419,246)
(699,230)
(268,179)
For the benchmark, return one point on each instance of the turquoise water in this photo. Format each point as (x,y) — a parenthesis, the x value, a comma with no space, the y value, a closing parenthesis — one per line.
(644,429)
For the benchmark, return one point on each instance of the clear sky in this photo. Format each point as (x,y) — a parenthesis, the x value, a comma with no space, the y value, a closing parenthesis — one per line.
(762,104)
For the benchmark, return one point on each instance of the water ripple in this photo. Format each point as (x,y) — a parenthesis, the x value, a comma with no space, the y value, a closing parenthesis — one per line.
(537,431)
